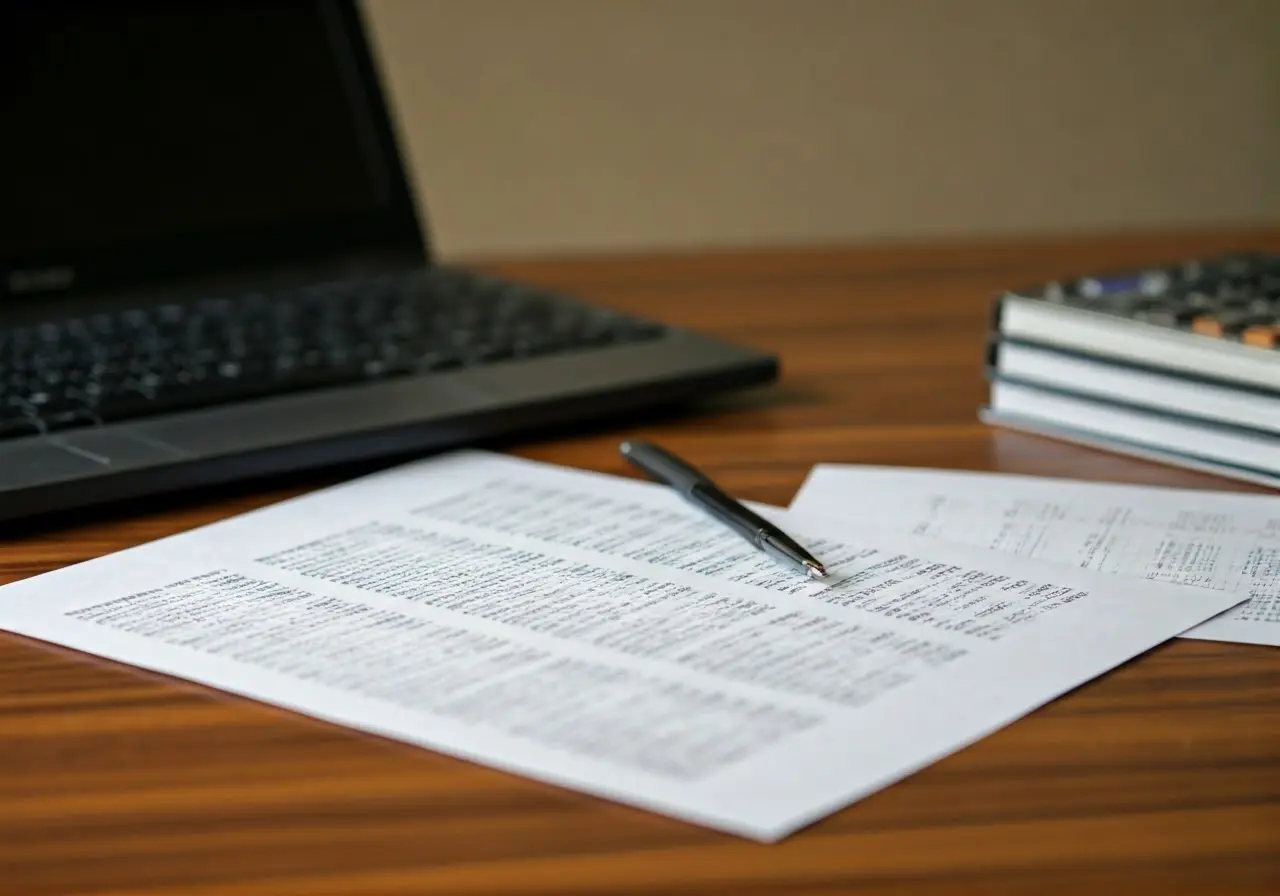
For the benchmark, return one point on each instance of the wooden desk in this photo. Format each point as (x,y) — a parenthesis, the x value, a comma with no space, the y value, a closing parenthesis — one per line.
(1164,774)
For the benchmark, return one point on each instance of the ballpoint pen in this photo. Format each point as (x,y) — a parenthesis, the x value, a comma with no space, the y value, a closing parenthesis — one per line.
(695,487)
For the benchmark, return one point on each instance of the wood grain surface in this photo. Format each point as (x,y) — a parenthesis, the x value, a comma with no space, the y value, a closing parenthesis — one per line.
(1163,775)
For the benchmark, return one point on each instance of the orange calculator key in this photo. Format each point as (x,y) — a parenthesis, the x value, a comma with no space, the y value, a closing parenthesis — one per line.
(1265,336)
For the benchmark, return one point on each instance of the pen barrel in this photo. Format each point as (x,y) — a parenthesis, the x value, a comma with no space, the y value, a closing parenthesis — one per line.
(664,466)
(730,512)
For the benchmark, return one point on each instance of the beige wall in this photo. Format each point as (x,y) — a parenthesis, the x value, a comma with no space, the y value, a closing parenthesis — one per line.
(556,126)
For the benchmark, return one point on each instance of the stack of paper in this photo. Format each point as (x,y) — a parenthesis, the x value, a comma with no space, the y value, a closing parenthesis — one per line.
(600,633)
(1177,364)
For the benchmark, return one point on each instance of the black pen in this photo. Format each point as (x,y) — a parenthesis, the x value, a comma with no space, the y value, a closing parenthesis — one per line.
(700,491)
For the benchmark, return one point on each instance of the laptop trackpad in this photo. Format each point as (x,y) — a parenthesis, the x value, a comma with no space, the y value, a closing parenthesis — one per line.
(35,462)
(75,455)
(119,450)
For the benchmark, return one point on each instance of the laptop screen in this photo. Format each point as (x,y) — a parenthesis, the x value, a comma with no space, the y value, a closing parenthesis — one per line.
(145,137)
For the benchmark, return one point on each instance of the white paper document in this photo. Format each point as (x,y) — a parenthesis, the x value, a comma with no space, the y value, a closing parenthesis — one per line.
(1229,542)
(600,633)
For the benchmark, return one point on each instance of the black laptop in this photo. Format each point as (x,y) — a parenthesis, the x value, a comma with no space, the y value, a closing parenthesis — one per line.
(212,267)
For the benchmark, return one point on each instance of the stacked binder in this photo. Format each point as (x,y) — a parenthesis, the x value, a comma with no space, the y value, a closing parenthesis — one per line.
(1178,363)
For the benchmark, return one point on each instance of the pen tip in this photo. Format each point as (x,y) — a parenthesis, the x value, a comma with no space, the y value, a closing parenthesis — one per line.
(816,570)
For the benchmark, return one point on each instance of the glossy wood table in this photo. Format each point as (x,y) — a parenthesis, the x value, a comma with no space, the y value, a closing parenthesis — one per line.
(1161,776)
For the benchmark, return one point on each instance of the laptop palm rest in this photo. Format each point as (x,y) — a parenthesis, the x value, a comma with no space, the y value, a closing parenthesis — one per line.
(76,456)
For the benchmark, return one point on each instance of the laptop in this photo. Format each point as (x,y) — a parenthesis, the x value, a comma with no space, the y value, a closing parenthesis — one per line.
(212,268)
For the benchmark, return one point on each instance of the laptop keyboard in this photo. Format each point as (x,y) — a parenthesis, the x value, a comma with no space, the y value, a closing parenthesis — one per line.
(106,368)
